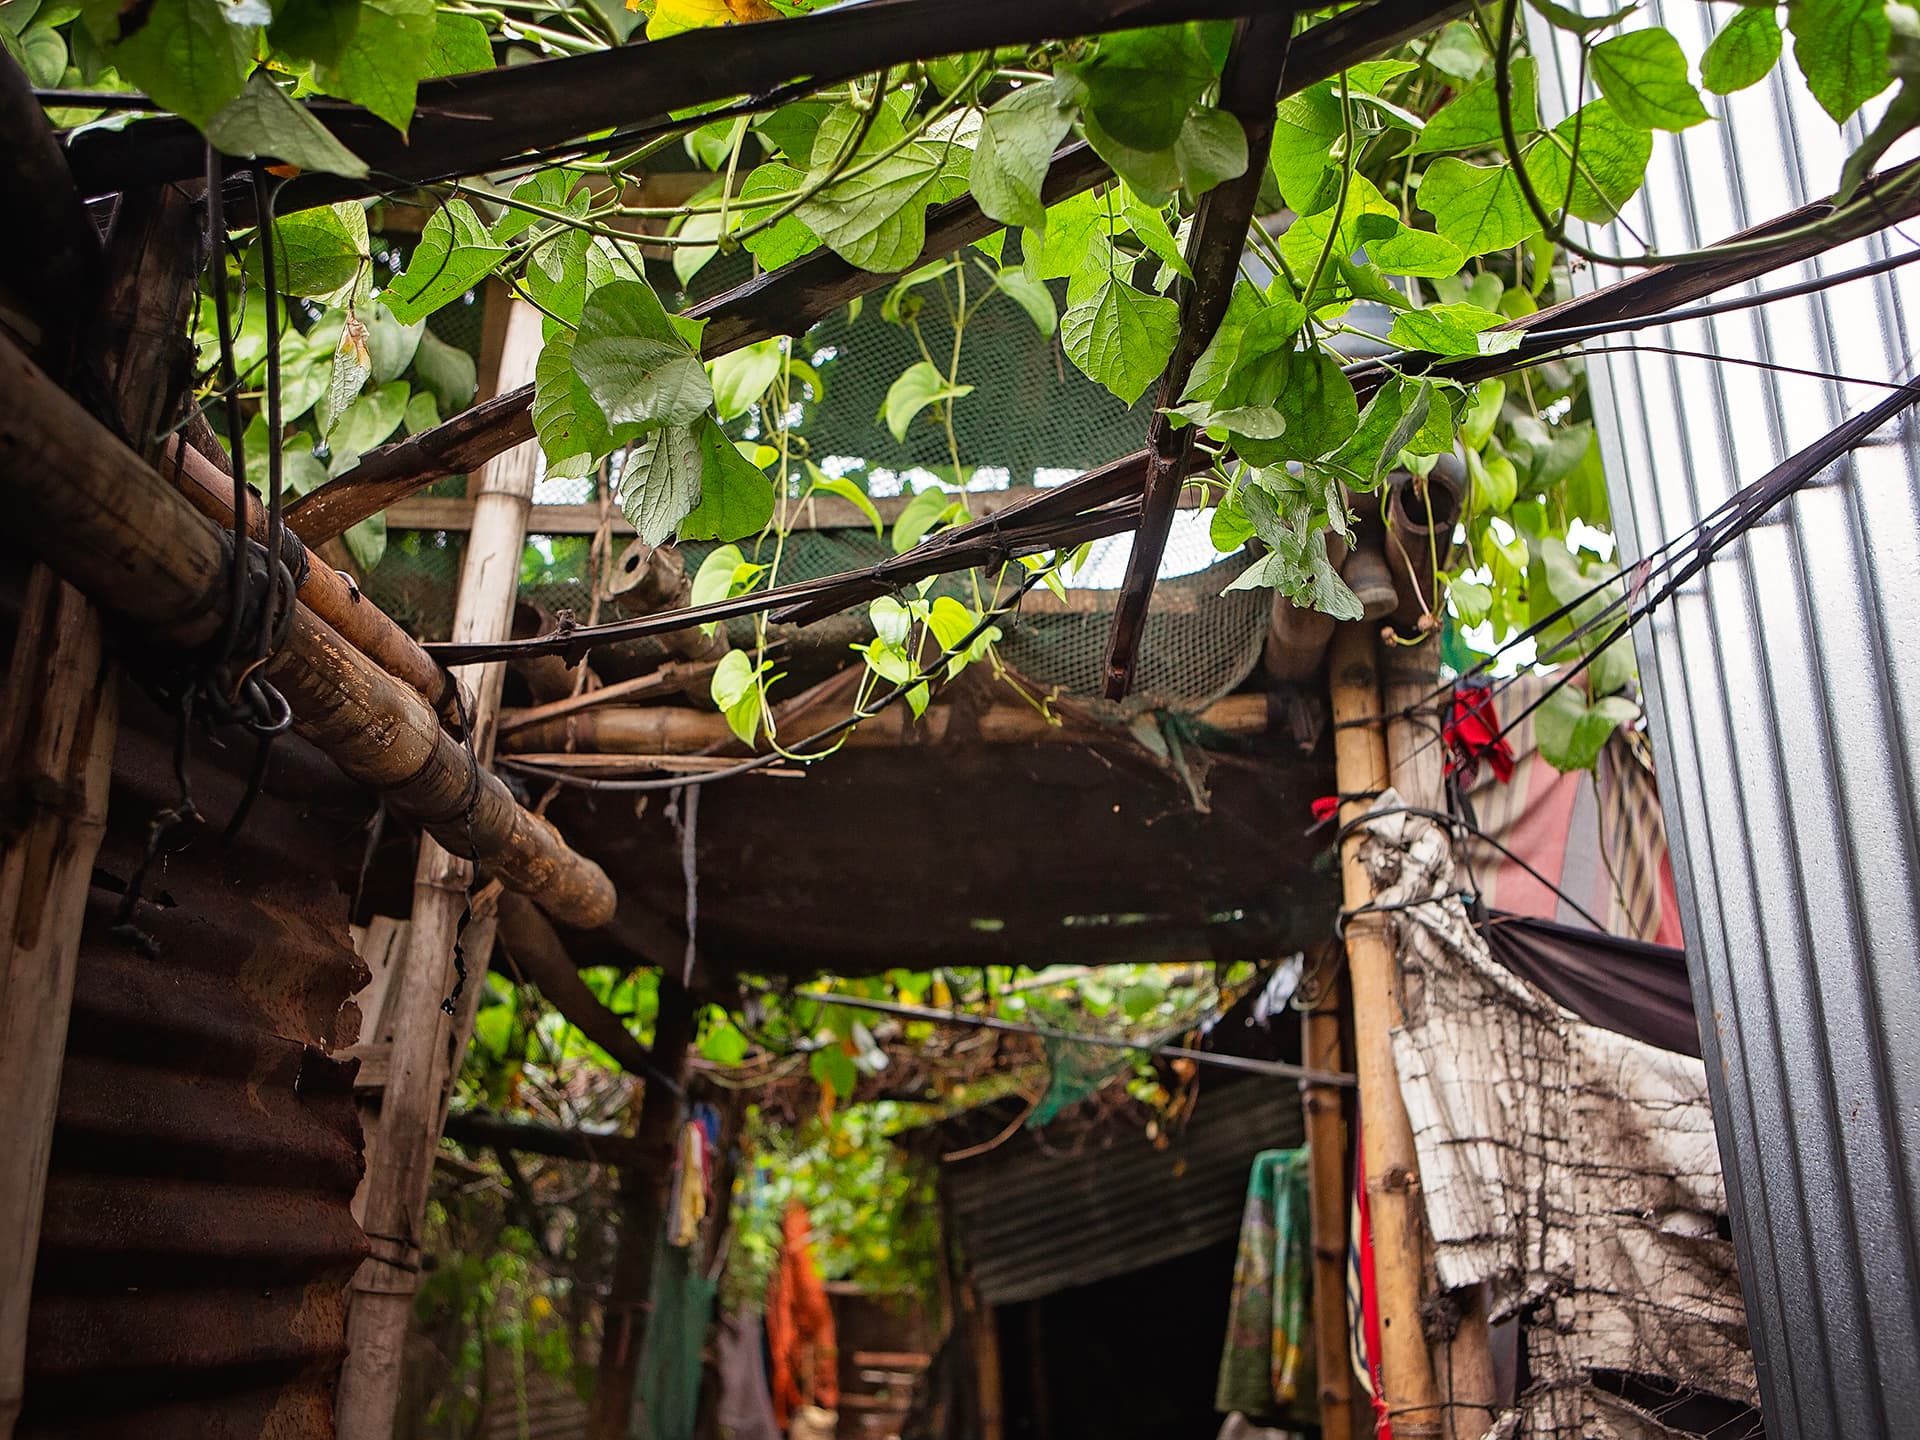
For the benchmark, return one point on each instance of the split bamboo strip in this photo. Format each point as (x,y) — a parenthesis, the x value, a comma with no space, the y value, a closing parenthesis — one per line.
(1386,1136)
(56,758)
(667,680)
(426,1047)
(207,482)
(107,523)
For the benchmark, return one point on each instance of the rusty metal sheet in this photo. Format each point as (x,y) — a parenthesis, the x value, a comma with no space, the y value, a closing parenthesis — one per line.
(197,1240)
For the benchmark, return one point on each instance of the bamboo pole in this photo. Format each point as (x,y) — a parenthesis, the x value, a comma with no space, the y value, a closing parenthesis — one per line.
(537,953)
(1327,1171)
(428,1040)
(668,730)
(56,759)
(1463,1366)
(642,1205)
(110,526)
(1392,1168)
(207,483)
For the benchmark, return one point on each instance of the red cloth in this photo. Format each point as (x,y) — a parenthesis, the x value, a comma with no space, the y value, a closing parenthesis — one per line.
(1473,734)
(806,1361)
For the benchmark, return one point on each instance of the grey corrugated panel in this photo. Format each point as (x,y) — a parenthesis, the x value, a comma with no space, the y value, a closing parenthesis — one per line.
(1784,691)
(197,1239)
(1036,1219)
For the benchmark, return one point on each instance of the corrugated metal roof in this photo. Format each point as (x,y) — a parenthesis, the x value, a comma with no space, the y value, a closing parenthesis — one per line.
(197,1240)
(1036,1218)
(1784,686)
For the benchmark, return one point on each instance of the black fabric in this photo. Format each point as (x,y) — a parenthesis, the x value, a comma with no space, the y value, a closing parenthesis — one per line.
(1627,986)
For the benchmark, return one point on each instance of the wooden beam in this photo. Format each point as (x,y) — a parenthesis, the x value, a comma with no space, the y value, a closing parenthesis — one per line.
(1386,1136)
(798,295)
(475,123)
(540,958)
(474,1128)
(426,1048)
(1249,88)
(1328,1167)
(109,525)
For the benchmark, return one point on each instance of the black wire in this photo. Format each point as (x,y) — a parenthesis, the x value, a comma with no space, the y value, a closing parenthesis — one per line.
(772,757)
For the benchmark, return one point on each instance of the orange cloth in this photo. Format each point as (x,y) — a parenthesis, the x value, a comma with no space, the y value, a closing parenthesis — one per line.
(806,1362)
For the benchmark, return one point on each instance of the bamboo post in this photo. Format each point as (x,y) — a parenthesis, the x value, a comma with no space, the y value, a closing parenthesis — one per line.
(1463,1366)
(56,759)
(642,1205)
(427,1040)
(1392,1168)
(1327,1170)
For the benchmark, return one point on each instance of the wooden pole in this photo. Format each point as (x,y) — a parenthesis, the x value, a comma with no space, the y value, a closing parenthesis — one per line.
(536,951)
(56,758)
(1327,1171)
(1463,1365)
(642,1205)
(108,524)
(1392,1169)
(61,712)
(427,1036)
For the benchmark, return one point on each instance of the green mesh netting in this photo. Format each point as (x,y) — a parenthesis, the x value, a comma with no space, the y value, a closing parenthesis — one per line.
(1032,418)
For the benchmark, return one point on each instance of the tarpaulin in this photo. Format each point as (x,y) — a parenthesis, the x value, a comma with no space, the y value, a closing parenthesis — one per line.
(1627,986)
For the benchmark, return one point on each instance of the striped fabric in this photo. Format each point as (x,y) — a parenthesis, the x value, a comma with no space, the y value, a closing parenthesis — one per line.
(1596,836)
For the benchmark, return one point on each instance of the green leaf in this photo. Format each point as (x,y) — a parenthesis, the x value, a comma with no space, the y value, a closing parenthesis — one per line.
(422,412)
(736,690)
(917,517)
(573,433)
(1613,162)
(366,423)
(1406,251)
(1644,74)
(558,189)
(1318,402)
(391,345)
(1388,424)
(917,387)
(877,219)
(1305,130)
(1017,139)
(849,492)
(1031,295)
(1571,733)
(661,481)
(790,130)
(191,56)
(833,1070)
(1842,47)
(736,497)
(1458,52)
(1495,483)
(454,254)
(741,378)
(367,542)
(381,66)
(1121,337)
(1574,23)
(723,1043)
(634,365)
(316,30)
(1477,207)
(1452,330)
(460,46)
(1140,83)
(1472,122)
(690,260)
(788,238)
(317,252)
(1210,150)
(446,370)
(1743,53)
(1901,115)
(1483,412)
(43,55)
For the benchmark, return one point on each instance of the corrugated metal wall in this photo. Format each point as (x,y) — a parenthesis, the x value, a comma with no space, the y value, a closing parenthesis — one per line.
(197,1241)
(1042,1213)
(1784,690)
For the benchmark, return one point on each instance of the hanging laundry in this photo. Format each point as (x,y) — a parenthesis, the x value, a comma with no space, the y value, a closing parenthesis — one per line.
(806,1362)
(1262,1367)
(746,1405)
